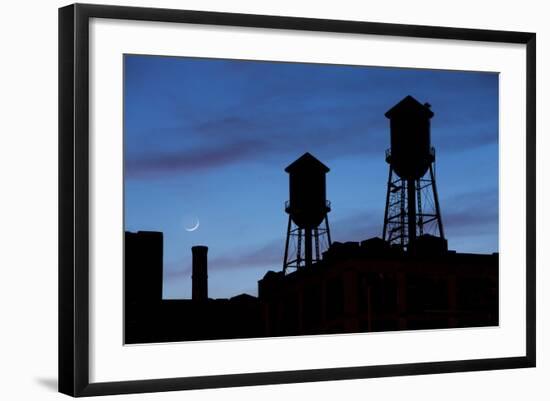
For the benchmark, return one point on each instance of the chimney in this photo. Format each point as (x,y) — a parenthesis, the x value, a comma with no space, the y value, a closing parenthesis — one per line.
(200,273)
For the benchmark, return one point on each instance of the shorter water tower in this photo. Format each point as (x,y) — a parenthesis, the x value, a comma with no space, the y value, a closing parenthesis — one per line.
(308,231)
(412,204)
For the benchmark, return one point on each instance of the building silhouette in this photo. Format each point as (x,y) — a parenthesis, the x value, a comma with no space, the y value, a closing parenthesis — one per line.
(149,318)
(378,284)
(370,286)
(357,287)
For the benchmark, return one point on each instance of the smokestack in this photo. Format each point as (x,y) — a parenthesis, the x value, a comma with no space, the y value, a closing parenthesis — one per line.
(200,273)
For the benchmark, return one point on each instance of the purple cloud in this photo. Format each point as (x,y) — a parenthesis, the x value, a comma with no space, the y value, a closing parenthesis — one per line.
(192,160)
(465,215)
(270,254)
(358,227)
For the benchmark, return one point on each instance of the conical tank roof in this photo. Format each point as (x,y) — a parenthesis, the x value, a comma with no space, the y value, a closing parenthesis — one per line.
(306,162)
(407,106)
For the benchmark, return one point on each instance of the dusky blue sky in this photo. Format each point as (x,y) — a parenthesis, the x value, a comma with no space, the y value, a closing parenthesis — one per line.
(209,139)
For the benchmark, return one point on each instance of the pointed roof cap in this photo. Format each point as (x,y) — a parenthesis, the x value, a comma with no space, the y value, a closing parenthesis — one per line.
(410,105)
(306,162)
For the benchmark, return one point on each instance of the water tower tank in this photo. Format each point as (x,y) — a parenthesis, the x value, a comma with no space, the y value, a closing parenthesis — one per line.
(307,205)
(411,153)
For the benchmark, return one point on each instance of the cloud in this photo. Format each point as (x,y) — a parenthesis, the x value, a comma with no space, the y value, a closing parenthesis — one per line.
(479,200)
(471,222)
(268,255)
(191,160)
(472,213)
(466,215)
(232,125)
(235,138)
(465,137)
(292,106)
(332,132)
(358,227)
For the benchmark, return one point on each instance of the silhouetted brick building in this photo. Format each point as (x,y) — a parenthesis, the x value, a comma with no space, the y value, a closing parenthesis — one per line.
(149,318)
(356,287)
(143,261)
(368,286)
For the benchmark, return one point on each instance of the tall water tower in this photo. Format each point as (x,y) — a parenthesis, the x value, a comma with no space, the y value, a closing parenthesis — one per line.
(412,205)
(307,210)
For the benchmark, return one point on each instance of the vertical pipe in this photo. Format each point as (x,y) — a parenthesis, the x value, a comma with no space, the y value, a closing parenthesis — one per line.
(384,232)
(402,213)
(299,249)
(316,238)
(436,201)
(308,246)
(411,213)
(419,202)
(285,260)
(327,230)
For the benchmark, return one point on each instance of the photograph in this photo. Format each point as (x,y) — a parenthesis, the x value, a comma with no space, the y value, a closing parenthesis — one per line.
(251,199)
(279,199)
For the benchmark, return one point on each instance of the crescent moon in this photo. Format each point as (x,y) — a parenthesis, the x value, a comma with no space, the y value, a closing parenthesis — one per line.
(194,227)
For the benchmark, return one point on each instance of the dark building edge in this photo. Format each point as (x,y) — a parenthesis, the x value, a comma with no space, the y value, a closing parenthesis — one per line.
(73,279)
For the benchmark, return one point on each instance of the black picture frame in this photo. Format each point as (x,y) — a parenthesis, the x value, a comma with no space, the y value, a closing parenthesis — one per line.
(74,198)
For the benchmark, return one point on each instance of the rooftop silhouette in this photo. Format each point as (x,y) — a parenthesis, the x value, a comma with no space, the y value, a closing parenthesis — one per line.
(324,287)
